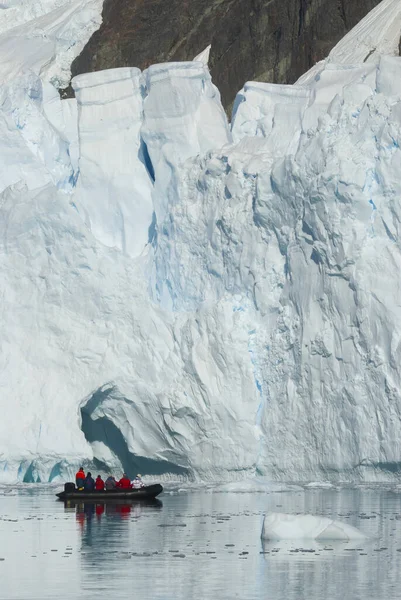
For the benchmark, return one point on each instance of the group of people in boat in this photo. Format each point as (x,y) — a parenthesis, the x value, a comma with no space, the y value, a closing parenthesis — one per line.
(88,484)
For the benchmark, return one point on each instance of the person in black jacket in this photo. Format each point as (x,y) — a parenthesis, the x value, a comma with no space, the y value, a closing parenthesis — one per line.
(89,484)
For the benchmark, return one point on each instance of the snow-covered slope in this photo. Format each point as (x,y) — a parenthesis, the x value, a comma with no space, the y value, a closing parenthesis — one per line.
(38,41)
(377,35)
(45,36)
(192,300)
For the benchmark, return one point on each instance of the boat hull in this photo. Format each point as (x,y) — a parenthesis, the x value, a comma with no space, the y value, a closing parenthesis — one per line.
(149,491)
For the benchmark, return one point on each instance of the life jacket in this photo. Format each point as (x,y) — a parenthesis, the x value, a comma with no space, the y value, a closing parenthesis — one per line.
(80,474)
(99,484)
(125,483)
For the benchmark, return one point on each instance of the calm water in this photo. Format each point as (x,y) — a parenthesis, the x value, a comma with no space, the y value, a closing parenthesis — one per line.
(195,545)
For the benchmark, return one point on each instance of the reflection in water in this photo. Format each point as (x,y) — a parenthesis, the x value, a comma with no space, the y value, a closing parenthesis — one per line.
(200,545)
(119,510)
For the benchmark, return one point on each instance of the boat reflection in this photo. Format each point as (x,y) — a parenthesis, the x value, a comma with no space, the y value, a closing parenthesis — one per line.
(85,511)
(94,519)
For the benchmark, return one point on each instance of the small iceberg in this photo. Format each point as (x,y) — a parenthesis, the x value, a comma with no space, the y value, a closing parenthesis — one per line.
(255,485)
(280,526)
(323,485)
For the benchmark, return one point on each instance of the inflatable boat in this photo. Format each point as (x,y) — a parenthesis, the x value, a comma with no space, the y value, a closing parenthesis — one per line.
(144,493)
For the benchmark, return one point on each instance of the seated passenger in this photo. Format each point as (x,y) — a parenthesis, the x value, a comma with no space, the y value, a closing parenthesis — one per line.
(80,479)
(111,483)
(137,483)
(89,484)
(124,483)
(99,484)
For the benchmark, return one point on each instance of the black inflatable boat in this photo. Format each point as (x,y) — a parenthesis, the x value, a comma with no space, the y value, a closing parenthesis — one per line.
(147,492)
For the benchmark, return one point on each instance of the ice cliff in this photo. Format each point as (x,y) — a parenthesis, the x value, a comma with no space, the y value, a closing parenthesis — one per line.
(183,296)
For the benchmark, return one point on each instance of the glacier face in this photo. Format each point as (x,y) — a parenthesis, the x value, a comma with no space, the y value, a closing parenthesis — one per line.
(114,188)
(185,297)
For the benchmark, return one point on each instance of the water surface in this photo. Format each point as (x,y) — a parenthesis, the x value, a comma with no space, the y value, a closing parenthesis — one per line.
(198,544)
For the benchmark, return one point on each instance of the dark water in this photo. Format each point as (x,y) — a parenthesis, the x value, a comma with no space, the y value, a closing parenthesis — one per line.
(196,545)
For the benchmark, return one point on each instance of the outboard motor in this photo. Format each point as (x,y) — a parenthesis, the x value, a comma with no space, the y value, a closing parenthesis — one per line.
(69,487)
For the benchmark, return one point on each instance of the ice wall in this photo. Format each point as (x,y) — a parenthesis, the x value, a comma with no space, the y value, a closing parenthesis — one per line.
(183,117)
(296,242)
(114,188)
(270,111)
(260,330)
(96,371)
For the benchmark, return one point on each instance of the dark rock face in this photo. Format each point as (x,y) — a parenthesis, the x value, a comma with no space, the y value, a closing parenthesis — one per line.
(265,40)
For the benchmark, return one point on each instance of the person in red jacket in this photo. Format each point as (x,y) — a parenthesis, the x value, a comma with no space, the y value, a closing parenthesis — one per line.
(124,483)
(80,478)
(99,484)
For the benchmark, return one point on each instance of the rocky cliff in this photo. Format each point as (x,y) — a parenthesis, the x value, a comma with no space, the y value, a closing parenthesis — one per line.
(266,40)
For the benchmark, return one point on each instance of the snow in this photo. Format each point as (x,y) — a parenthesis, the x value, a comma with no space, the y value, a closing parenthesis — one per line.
(376,35)
(19,12)
(281,526)
(38,41)
(45,36)
(188,300)
(204,56)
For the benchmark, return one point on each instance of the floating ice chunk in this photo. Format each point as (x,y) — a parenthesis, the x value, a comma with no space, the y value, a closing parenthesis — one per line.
(281,526)
(319,485)
(254,485)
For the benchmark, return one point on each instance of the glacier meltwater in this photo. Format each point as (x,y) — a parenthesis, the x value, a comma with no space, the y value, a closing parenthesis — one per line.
(183,295)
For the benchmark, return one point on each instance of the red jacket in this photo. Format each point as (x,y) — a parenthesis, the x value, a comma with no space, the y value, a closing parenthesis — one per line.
(80,475)
(124,483)
(99,484)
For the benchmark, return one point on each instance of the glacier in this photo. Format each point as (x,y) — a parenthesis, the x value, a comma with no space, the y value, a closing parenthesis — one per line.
(188,297)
